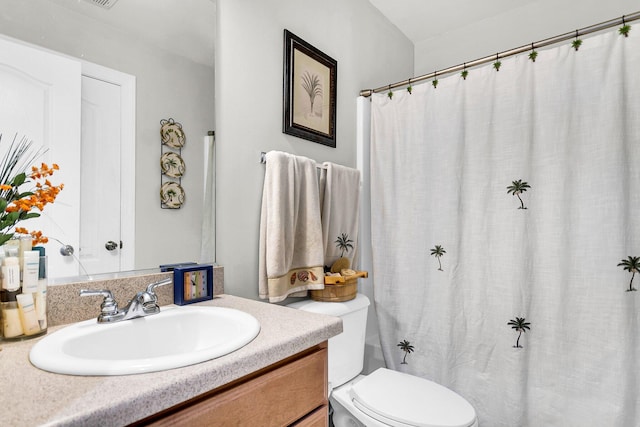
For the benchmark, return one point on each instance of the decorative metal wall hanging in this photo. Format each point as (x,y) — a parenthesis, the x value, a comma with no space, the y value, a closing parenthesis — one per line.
(172,167)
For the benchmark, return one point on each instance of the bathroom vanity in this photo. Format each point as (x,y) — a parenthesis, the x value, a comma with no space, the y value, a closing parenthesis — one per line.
(291,392)
(279,378)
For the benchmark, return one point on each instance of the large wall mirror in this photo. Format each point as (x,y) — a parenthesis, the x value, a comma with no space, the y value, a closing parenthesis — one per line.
(167,48)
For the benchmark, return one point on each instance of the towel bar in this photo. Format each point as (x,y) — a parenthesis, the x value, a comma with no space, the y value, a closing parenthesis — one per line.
(263,160)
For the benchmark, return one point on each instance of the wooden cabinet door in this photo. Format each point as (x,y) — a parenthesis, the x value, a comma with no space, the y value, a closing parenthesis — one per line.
(278,397)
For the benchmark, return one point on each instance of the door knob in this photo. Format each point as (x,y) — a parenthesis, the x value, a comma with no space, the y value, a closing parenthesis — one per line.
(66,250)
(111,245)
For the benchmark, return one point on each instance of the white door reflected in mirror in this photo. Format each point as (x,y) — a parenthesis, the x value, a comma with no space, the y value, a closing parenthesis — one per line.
(40,95)
(100,177)
(45,96)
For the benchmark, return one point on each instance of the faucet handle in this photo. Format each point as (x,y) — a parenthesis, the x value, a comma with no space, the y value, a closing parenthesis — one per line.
(152,286)
(109,305)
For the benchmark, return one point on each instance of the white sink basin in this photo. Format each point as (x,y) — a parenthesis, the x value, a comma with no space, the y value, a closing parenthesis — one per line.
(176,337)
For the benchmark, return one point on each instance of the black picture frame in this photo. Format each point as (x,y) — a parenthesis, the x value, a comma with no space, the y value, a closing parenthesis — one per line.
(308,73)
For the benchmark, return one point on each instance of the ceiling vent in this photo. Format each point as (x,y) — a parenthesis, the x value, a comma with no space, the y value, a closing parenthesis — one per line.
(105,4)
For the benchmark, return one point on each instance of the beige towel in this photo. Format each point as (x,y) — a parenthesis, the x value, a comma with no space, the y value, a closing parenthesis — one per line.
(340,200)
(291,251)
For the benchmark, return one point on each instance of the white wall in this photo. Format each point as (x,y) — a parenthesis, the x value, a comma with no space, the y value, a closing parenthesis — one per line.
(249,76)
(536,21)
(168,85)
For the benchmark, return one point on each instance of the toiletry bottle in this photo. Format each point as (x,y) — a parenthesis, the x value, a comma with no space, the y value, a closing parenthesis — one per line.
(1,263)
(11,272)
(11,324)
(42,272)
(24,245)
(2,256)
(40,297)
(28,316)
(30,270)
(11,247)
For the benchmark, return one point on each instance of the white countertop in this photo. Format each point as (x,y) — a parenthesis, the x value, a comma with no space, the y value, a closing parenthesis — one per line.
(33,397)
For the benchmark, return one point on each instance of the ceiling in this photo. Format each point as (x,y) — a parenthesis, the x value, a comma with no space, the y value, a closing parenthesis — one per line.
(188,26)
(421,20)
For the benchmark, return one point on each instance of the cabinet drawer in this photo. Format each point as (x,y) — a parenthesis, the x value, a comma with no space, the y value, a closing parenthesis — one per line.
(277,397)
(318,418)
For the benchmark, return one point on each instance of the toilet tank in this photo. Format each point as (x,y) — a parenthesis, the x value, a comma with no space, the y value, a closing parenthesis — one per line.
(346,351)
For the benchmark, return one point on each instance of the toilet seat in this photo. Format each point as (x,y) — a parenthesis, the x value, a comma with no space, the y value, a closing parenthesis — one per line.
(403,400)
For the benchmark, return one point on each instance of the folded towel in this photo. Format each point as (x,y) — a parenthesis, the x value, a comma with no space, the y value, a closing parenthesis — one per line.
(340,201)
(291,251)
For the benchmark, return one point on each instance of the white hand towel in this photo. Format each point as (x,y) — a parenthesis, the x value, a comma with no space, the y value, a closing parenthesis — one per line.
(291,250)
(340,189)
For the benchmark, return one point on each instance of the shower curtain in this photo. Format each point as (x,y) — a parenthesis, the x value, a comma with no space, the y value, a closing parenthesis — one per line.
(505,209)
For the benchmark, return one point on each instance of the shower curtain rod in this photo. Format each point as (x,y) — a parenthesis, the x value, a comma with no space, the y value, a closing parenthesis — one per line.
(624,19)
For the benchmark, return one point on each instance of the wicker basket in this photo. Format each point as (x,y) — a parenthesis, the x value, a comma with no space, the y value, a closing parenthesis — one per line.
(338,288)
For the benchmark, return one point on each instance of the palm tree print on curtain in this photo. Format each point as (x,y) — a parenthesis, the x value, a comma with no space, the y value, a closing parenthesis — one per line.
(520,326)
(407,348)
(437,252)
(311,84)
(517,188)
(632,265)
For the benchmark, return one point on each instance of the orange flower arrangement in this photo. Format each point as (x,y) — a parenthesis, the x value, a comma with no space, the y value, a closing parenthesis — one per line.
(17,205)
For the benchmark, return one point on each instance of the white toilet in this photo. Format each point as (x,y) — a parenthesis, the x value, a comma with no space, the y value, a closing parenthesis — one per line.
(384,397)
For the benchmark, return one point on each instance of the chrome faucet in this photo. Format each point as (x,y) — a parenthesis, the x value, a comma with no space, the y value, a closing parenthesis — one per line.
(144,303)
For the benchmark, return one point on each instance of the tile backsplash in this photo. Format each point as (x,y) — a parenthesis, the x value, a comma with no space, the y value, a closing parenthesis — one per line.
(65,305)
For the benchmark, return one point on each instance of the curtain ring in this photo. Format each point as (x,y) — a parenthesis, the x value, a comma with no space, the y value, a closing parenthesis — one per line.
(497,64)
(533,55)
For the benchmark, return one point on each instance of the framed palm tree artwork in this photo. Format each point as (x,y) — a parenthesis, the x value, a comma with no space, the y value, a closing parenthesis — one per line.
(309,109)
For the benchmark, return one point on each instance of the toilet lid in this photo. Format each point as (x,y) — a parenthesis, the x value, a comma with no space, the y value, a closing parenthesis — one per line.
(400,399)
